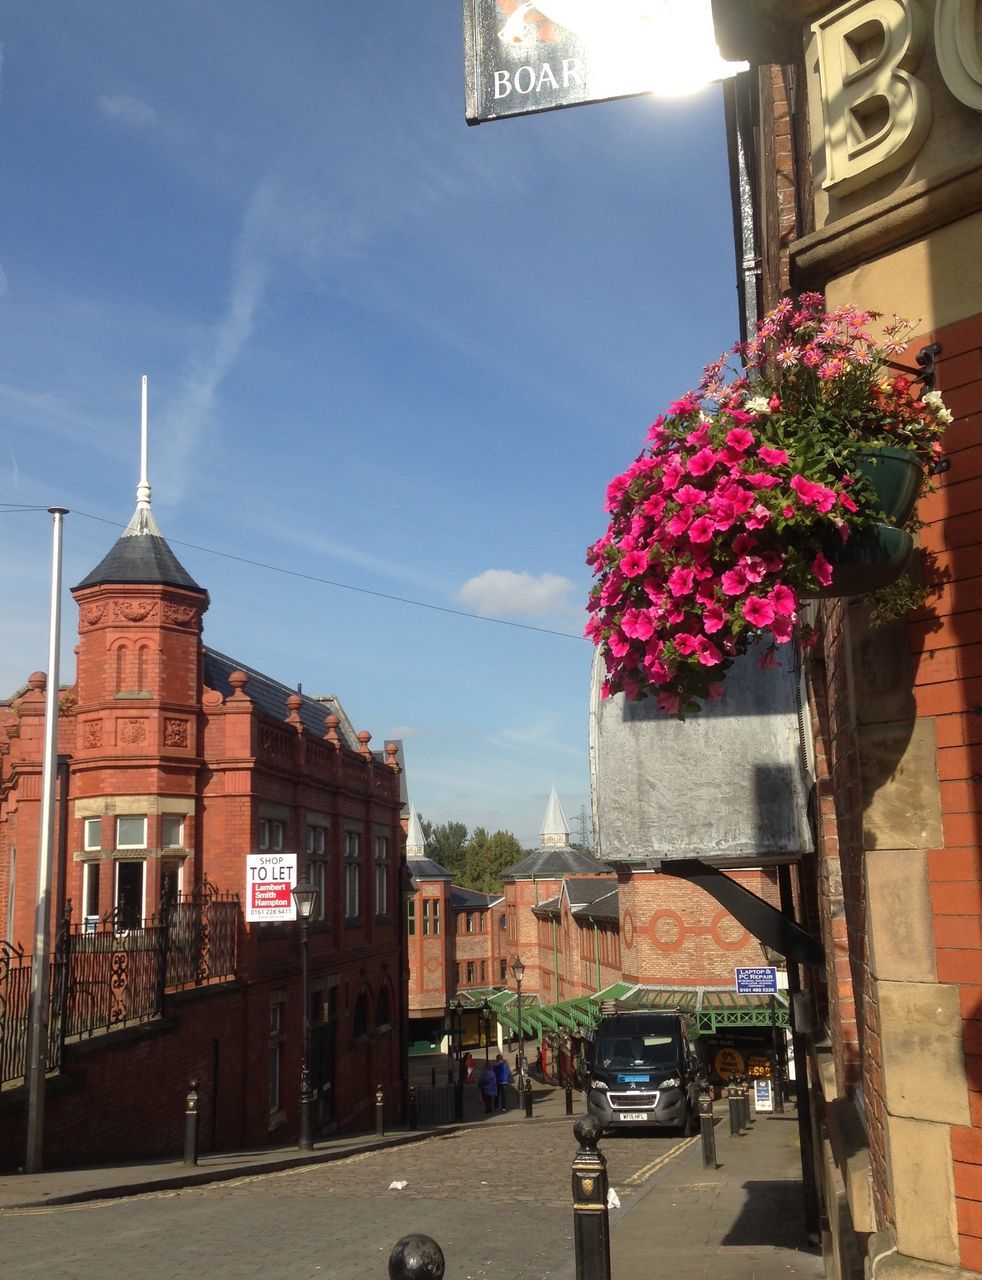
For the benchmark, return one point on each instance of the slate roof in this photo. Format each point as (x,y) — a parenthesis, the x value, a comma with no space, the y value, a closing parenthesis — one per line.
(553,864)
(471,899)
(269,697)
(426,869)
(588,899)
(143,558)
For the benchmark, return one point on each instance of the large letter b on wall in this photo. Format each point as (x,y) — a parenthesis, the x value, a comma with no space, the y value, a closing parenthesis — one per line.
(876,113)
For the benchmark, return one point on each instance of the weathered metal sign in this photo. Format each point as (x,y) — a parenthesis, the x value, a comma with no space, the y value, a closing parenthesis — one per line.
(729,786)
(523,57)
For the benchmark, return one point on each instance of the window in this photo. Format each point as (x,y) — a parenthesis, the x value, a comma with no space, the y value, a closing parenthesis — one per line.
(470,971)
(316,842)
(504,971)
(381,875)
(436,915)
(92,834)
(482,922)
(270,834)
(130,889)
(484,971)
(172,831)
(470,922)
(276,1038)
(426,917)
(90,890)
(382,1008)
(131,833)
(411,918)
(352,875)
(359,1023)
(171,870)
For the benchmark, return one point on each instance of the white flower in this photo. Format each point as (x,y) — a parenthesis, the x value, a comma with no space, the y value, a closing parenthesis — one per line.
(757,404)
(933,400)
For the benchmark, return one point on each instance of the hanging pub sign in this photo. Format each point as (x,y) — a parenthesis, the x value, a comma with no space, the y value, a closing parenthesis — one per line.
(522,57)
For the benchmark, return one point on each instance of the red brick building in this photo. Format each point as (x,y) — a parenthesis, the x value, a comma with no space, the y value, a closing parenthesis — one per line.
(177,763)
(858,132)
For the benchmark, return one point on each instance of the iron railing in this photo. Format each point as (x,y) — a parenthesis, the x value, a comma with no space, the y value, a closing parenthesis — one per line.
(115,972)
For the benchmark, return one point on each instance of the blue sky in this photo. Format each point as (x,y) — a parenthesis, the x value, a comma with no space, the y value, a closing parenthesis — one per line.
(385,350)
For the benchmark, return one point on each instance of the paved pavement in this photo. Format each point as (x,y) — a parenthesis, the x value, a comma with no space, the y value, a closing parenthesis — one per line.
(740,1221)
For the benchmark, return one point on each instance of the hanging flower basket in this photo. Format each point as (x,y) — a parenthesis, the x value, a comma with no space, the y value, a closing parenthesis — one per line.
(791,480)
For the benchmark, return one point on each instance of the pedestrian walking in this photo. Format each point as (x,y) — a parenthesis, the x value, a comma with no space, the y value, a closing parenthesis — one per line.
(469,1067)
(502,1075)
(488,1087)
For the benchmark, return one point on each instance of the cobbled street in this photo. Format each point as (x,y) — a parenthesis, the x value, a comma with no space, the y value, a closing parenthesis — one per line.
(496,1198)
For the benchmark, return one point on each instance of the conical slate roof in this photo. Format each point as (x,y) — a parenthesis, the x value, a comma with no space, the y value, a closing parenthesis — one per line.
(143,558)
(554,859)
(420,866)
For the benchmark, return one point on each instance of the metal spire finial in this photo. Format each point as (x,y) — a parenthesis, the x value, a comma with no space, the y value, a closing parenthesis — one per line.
(142,520)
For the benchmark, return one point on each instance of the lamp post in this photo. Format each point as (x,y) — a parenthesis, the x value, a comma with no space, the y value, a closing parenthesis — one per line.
(486,1019)
(305,897)
(518,969)
(457,1014)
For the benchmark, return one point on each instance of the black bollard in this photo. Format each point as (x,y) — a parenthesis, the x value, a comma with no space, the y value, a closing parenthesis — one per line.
(413,1116)
(416,1258)
(707,1130)
(191,1124)
(569,1098)
(527,1084)
(745,1104)
(379,1112)
(778,1091)
(591,1226)
(433,1076)
(734,1105)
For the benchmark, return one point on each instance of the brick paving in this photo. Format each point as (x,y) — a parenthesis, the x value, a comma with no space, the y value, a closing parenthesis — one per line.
(495,1194)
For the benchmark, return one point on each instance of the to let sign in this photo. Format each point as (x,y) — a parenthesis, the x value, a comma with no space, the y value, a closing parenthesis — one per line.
(270,878)
(756,982)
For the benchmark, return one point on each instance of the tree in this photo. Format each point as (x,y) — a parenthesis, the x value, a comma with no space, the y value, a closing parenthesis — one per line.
(487,856)
(445,844)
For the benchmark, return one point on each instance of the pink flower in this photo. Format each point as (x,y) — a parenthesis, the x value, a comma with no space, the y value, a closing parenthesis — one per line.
(734,581)
(671,474)
(637,624)
(680,581)
(669,702)
(709,655)
(743,543)
(678,523)
(783,600)
(762,480)
(689,494)
(739,439)
(773,457)
(701,463)
(632,688)
(702,530)
(618,644)
(753,567)
(782,629)
(758,518)
(822,570)
(758,611)
(689,403)
(713,618)
(634,564)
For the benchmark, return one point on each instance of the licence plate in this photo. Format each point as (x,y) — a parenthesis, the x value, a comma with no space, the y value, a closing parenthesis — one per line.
(632,1115)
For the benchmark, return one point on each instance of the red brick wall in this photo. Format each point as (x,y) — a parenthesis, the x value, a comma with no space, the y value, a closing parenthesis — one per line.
(946,644)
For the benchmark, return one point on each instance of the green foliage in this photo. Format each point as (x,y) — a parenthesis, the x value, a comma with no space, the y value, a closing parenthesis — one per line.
(487,856)
(445,844)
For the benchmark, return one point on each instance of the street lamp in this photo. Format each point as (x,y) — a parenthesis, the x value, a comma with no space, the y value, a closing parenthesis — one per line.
(305,897)
(486,1016)
(518,969)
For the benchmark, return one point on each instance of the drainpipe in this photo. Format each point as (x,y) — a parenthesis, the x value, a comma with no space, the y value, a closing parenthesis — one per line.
(555,961)
(596,952)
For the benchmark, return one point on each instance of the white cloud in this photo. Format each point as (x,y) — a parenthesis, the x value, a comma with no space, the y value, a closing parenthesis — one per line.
(127,110)
(498,591)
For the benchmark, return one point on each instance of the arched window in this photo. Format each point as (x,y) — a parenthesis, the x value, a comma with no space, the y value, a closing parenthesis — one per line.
(359,1023)
(382,1007)
(143,669)
(121,663)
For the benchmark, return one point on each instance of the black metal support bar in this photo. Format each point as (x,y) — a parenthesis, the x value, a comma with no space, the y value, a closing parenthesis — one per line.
(413,1117)
(707,1130)
(569,1098)
(191,1124)
(527,1084)
(591,1226)
(416,1257)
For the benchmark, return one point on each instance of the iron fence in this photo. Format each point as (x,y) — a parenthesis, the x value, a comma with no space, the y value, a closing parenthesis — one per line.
(435,1103)
(114,973)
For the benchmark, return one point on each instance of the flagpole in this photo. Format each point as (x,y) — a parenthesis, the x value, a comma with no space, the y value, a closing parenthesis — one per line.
(37,1041)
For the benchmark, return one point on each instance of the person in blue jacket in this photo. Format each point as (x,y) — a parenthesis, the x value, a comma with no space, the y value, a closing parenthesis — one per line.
(502,1073)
